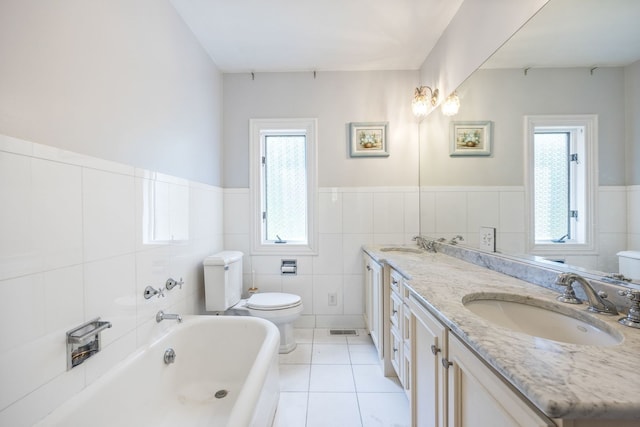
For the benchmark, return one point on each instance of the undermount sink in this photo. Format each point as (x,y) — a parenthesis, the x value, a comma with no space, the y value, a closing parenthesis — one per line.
(541,319)
(401,249)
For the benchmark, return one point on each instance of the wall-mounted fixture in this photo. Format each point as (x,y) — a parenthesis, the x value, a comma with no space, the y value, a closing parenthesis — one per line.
(451,105)
(84,341)
(172,283)
(289,267)
(421,101)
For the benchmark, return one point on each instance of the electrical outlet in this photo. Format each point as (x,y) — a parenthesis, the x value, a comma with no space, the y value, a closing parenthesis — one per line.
(488,239)
(333,298)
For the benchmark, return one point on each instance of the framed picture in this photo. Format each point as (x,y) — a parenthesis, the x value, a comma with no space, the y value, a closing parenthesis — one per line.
(470,139)
(368,139)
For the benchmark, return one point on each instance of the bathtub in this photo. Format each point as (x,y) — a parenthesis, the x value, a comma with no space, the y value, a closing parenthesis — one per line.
(238,355)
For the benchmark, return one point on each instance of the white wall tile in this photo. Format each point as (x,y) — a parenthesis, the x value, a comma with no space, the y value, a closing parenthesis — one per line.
(484,210)
(612,210)
(108,214)
(109,292)
(71,250)
(329,259)
(451,212)
(322,286)
(411,213)
(512,212)
(57,213)
(352,251)
(22,299)
(330,211)
(357,213)
(388,212)
(353,291)
(427,212)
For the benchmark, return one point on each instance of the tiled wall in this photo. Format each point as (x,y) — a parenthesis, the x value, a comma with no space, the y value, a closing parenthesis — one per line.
(72,249)
(349,218)
(446,211)
(633,224)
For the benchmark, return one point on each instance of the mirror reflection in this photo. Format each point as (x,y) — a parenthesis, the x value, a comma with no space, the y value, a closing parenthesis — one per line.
(575,60)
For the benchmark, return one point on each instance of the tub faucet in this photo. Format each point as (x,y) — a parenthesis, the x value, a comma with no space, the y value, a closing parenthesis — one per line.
(162,316)
(598,301)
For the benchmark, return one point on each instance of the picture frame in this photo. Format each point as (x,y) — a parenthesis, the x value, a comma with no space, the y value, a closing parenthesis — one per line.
(368,139)
(470,138)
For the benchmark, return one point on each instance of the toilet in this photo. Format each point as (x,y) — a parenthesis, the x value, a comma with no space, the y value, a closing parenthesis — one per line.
(223,291)
(629,264)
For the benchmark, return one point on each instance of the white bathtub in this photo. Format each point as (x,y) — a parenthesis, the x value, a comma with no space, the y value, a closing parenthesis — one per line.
(237,354)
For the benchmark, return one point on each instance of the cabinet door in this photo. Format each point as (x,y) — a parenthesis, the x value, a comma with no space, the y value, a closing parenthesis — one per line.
(477,396)
(428,380)
(373,303)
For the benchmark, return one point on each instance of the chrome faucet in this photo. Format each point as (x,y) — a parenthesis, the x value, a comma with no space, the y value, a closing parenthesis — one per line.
(162,316)
(456,239)
(598,301)
(427,245)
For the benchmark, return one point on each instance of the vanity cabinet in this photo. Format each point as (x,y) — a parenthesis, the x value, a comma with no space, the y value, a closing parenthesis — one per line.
(452,387)
(374,301)
(397,354)
(476,393)
(428,391)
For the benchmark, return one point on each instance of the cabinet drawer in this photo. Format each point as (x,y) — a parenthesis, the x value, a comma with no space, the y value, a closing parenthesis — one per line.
(395,309)
(396,279)
(396,353)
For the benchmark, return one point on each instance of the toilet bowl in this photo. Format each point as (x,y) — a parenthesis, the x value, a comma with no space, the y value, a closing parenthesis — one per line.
(223,289)
(281,309)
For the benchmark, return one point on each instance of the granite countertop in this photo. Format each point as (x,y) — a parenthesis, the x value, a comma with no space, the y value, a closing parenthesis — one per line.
(563,380)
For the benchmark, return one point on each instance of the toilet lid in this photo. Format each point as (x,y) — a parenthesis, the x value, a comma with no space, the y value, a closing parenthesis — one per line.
(273,301)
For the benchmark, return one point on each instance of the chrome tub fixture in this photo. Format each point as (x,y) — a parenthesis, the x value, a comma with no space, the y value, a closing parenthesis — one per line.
(166,316)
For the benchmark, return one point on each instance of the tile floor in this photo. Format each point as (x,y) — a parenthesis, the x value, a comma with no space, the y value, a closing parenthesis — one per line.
(330,381)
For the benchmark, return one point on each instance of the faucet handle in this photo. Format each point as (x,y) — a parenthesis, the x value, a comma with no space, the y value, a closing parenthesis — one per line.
(149,291)
(632,294)
(569,295)
(172,283)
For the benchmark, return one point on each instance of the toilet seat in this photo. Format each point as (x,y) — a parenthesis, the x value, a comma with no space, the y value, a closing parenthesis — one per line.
(269,301)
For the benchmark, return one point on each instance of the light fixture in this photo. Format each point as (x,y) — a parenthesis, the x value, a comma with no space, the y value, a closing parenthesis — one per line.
(451,105)
(420,103)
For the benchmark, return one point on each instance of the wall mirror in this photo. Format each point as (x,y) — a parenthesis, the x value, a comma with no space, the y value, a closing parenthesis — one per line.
(574,57)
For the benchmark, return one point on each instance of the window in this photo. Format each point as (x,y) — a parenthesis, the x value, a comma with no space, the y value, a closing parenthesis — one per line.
(561,169)
(283,185)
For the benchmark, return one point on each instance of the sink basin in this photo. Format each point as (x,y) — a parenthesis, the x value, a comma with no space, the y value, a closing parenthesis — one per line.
(401,249)
(542,319)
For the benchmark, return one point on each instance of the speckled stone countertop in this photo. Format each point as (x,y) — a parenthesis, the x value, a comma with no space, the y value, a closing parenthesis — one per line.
(566,381)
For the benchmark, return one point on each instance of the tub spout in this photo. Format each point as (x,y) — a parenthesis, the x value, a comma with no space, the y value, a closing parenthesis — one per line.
(162,316)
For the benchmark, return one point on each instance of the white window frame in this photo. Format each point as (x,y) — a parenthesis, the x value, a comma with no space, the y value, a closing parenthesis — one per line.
(588,184)
(258,128)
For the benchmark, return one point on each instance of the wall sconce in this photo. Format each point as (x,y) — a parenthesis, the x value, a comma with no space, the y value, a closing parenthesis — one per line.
(451,105)
(420,100)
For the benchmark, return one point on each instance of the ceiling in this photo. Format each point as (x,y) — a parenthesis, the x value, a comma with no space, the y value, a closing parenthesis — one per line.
(298,35)
(575,33)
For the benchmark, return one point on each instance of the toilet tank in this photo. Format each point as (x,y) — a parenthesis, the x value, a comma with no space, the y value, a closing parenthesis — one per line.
(629,264)
(222,280)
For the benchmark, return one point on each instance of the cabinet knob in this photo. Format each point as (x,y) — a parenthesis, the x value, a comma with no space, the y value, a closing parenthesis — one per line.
(435,350)
(368,267)
(446,363)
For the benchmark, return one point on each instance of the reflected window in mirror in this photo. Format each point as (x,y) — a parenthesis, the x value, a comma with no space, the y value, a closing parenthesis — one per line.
(561,184)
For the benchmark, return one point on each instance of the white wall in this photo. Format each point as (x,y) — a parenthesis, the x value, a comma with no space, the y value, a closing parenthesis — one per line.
(632,96)
(72,249)
(335,99)
(349,217)
(504,97)
(115,79)
(477,30)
